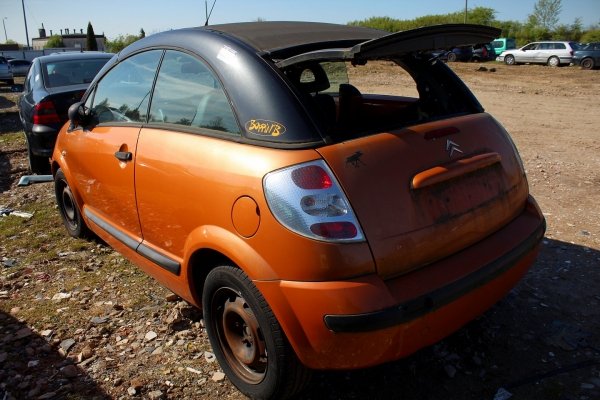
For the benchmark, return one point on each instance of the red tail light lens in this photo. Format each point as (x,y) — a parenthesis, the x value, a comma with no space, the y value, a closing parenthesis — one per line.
(311,177)
(334,230)
(44,113)
(308,200)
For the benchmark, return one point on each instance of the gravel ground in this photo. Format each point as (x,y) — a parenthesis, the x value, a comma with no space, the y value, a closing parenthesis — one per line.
(77,321)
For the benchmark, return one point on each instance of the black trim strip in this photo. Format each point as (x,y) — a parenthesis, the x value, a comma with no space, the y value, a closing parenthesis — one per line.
(159,259)
(422,305)
(162,261)
(120,236)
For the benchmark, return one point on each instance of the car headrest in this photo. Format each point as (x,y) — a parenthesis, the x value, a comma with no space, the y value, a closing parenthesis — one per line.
(310,78)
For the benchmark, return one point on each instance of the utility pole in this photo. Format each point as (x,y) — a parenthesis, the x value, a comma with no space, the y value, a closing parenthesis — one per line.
(466,11)
(5,35)
(25,19)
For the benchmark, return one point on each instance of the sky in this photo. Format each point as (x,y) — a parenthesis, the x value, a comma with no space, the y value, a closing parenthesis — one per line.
(122,17)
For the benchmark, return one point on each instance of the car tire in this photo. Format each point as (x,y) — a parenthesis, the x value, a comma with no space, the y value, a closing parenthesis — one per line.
(452,57)
(509,59)
(69,210)
(247,338)
(37,164)
(587,63)
(554,61)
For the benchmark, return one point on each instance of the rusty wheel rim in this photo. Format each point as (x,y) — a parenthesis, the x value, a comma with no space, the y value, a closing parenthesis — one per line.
(240,336)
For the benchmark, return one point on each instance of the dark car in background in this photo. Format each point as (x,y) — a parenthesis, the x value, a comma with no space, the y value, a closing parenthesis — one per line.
(53,83)
(460,53)
(5,72)
(588,56)
(19,67)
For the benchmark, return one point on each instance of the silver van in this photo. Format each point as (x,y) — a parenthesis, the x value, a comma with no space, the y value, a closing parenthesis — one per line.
(552,53)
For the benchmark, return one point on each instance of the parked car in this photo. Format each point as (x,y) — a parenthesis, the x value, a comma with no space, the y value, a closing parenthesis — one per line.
(5,72)
(19,67)
(588,56)
(318,225)
(458,53)
(53,83)
(483,52)
(552,53)
(502,44)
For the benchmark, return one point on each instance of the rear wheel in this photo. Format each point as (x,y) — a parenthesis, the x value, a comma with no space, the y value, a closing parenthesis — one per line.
(247,338)
(509,59)
(587,63)
(452,56)
(68,208)
(554,61)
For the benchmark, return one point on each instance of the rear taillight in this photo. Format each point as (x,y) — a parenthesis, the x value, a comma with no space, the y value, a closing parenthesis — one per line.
(307,199)
(44,113)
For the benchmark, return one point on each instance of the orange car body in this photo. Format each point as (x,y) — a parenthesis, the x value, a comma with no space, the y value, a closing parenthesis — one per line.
(449,226)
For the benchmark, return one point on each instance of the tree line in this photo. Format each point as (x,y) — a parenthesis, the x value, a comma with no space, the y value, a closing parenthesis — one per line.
(537,27)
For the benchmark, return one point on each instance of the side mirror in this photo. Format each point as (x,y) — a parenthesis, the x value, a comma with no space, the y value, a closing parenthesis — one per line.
(78,115)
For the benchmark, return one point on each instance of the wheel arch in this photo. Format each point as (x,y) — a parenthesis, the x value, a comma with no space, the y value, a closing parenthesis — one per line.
(208,247)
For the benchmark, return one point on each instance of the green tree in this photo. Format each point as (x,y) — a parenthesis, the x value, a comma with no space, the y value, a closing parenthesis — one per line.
(90,40)
(545,14)
(142,33)
(53,42)
(115,46)
(592,35)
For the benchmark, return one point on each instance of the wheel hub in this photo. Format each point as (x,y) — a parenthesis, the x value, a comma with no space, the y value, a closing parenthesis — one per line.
(241,338)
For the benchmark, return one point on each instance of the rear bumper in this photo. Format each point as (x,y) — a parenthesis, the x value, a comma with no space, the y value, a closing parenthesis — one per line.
(42,139)
(368,321)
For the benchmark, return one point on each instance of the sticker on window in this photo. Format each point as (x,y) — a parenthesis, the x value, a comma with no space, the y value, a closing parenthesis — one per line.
(265,127)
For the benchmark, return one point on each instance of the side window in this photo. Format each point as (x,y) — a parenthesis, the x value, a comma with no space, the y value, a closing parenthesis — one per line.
(560,46)
(187,93)
(544,46)
(123,93)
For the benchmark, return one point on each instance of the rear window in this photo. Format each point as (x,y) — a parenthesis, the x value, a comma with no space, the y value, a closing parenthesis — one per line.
(353,100)
(71,72)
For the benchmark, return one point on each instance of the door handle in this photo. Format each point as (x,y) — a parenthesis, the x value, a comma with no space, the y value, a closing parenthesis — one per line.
(124,155)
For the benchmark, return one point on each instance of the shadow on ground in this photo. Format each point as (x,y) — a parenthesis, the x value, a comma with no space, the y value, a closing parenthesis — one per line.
(32,366)
(541,342)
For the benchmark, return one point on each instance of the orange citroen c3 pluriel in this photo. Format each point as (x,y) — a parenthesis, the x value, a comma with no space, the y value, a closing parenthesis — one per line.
(332,197)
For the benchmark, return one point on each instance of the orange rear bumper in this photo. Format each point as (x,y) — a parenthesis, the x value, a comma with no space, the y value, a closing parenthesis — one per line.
(368,321)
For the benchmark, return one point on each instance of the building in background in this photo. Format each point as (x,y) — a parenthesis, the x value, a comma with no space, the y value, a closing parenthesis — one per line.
(70,38)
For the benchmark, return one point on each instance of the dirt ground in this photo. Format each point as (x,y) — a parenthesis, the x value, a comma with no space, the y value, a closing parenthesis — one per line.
(78,321)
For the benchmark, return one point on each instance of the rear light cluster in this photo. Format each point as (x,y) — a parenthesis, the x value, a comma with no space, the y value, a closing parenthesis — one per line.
(44,113)
(308,200)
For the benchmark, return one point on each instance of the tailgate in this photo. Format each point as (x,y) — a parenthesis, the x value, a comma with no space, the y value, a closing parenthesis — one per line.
(428,191)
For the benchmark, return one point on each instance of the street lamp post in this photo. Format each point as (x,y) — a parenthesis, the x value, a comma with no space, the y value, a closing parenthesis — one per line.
(5,35)
(25,19)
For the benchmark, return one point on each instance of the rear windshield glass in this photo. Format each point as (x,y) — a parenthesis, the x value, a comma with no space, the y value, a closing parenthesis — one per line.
(71,72)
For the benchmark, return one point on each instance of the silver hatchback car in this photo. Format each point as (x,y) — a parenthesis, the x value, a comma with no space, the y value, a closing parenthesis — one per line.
(552,53)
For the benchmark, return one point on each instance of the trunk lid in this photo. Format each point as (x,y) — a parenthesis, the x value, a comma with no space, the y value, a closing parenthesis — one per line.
(425,192)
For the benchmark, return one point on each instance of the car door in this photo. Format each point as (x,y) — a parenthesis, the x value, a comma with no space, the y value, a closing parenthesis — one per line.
(528,53)
(184,154)
(102,156)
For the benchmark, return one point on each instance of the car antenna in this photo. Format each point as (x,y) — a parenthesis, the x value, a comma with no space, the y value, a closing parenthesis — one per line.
(206,10)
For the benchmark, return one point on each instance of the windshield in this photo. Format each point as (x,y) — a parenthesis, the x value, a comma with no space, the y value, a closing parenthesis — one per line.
(71,72)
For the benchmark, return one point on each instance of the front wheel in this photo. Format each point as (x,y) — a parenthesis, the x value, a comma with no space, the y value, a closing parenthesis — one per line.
(509,59)
(554,61)
(68,208)
(247,338)
(452,57)
(587,63)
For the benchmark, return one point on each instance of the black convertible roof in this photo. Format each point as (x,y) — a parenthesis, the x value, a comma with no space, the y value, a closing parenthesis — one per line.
(283,38)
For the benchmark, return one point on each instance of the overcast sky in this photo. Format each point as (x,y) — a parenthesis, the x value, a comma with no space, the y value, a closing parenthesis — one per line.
(115,17)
